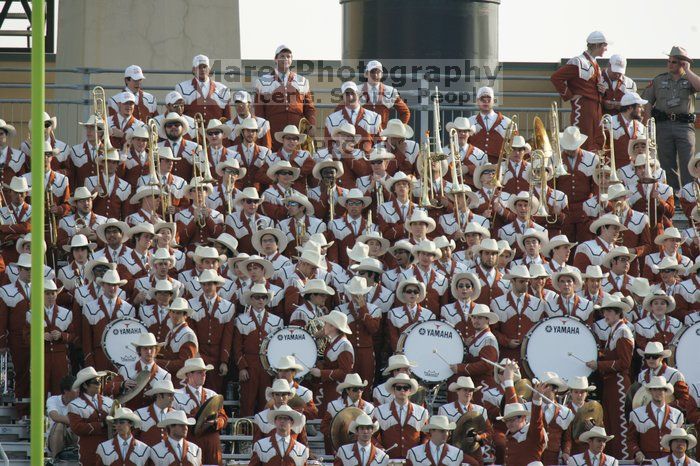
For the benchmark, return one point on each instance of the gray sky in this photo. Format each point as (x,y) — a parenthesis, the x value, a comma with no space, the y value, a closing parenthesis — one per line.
(528,32)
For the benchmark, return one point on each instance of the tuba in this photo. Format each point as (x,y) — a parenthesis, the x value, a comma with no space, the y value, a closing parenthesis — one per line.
(309,145)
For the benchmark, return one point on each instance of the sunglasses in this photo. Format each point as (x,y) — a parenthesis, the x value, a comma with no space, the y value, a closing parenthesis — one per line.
(231,172)
(95,382)
(48,124)
(259,297)
(412,291)
(214,132)
(354,203)
(285,172)
(250,201)
(652,356)
(376,162)
(402,388)
(174,123)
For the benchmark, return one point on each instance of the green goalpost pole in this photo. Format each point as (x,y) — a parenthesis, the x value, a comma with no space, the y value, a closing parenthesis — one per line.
(37,245)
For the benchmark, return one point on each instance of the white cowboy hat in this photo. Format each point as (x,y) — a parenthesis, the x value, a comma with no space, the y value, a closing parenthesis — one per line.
(462,382)
(533,202)
(567,271)
(473,279)
(401,379)
(571,138)
(289,130)
(460,123)
(146,340)
(285,410)
(357,286)
(112,223)
(312,257)
(269,269)
(595,432)
(111,277)
(99,261)
(395,128)
(162,254)
(613,302)
(669,263)
(552,378)
(618,251)
(160,386)
(482,310)
(24,261)
(420,215)
(606,220)
(355,194)
(503,246)
(363,420)
(345,127)
(18,184)
(693,165)
(487,244)
(678,433)
(541,236)
(629,97)
(181,305)
(303,200)
(227,240)
(91,121)
(140,132)
(618,190)
(555,242)
(211,276)
(513,410)
(166,153)
(247,193)
(351,381)
(256,239)
(161,286)
(379,153)
(317,285)
(124,414)
(476,180)
(192,365)
(634,142)
(580,383)
(79,241)
(247,123)
(410,282)
(427,246)
(398,177)
(384,243)
(198,183)
(439,422)
(288,363)
(170,118)
(338,320)
(80,194)
(282,165)
(456,189)
(658,381)
(594,271)
(206,252)
(231,163)
(397,361)
(278,386)
(144,191)
(257,288)
(85,375)
(217,125)
(368,263)
(517,271)
(442,242)
(50,285)
(537,271)
(176,418)
(141,228)
(401,245)
(659,294)
(11,131)
(316,171)
(655,348)
(669,233)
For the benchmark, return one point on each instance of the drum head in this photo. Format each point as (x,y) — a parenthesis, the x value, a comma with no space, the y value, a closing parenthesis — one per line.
(433,345)
(547,346)
(293,341)
(684,357)
(117,338)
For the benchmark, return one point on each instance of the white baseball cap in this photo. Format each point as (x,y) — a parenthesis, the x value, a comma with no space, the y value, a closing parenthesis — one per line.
(172,97)
(373,65)
(241,96)
(280,48)
(618,64)
(632,98)
(484,91)
(124,97)
(596,37)
(349,85)
(200,60)
(134,72)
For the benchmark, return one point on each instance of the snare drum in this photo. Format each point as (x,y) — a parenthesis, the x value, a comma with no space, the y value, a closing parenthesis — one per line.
(117,338)
(287,341)
(547,345)
(683,348)
(433,345)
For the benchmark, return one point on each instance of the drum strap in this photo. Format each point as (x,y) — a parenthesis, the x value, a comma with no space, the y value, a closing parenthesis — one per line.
(612,334)
(331,345)
(429,454)
(173,333)
(118,449)
(587,457)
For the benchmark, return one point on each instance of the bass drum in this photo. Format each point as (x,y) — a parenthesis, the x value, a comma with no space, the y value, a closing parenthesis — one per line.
(287,341)
(117,338)
(433,345)
(555,345)
(683,356)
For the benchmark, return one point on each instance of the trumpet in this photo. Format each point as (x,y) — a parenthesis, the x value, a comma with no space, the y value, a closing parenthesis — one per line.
(99,103)
(300,226)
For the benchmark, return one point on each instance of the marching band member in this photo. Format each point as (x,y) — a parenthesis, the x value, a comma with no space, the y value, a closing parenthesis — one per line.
(147,199)
(556,203)
(606,230)
(670,242)
(531,243)
(363,451)
(145,104)
(347,229)
(374,184)
(13,161)
(465,288)
(470,156)
(94,269)
(658,325)
(306,268)
(113,191)
(190,398)
(173,186)
(400,421)
(578,391)
(350,390)
(181,342)
(215,132)
(315,292)
(72,275)
(175,103)
(557,252)
(627,126)
(628,173)
(23,246)
(242,105)
(567,282)
(394,213)
(250,155)
(614,362)
(372,271)
(397,141)
(252,326)
(448,264)
(382,98)
(648,424)
(98,313)
(514,170)
(14,218)
(271,244)
(339,356)
(461,197)
(419,225)
(197,222)
(283,176)
(123,448)
(83,220)
(87,413)
(489,126)
(402,252)
(557,418)
(411,292)
(423,270)
(174,127)
(367,123)
(592,289)
(482,347)
(161,263)
(278,395)
(497,395)
(122,122)
(137,156)
(50,124)
(137,263)
(293,155)
(654,355)
(485,267)
(287,368)
(258,270)
(82,161)
(669,271)
(519,205)
(518,311)
(175,449)
(228,171)
(364,320)
(615,84)
(213,323)
(280,448)
(243,223)
(688,296)
(579,82)
(596,438)
(678,442)
(437,450)
(687,194)
(163,394)
(540,279)
(397,364)
(204,95)
(655,198)
(618,261)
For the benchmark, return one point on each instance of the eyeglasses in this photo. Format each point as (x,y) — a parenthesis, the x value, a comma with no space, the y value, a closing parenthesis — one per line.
(285,172)
(402,388)
(354,203)
(250,201)
(259,297)
(411,291)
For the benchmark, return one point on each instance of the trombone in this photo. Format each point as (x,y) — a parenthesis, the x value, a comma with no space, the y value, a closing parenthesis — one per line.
(457,179)
(202,150)
(609,139)
(99,103)
(538,176)
(154,170)
(506,150)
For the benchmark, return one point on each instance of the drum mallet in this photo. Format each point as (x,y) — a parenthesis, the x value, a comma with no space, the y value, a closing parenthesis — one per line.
(494,364)
(435,352)
(301,362)
(572,355)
